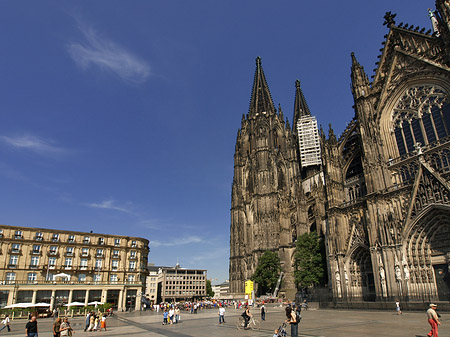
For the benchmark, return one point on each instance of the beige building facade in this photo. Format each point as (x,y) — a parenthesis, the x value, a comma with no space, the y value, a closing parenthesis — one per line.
(181,284)
(58,267)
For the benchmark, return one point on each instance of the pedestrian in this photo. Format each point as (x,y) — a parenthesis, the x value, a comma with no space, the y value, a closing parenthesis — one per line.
(55,313)
(177,315)
(31,329)
(165,315)
(86,323)
(433,319)
(103,323)
(91,322)
(56,327)
(221,315)
(263,312)
(292,320)
(6,322)
(65,328)
(397,305)
(97,323)
(171,315)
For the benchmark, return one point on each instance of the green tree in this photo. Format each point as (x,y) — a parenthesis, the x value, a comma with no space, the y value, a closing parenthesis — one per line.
(267,271)
(209,291)
(309,260)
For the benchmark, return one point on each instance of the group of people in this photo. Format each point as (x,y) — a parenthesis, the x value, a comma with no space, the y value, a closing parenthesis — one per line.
(95,321)
(61,327)
(171,315)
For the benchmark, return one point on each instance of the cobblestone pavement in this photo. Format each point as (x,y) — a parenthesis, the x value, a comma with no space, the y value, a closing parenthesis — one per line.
(315,323)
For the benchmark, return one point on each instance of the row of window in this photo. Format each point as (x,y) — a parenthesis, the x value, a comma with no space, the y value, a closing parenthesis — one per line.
(18,234)
(184,287)
(15,248)
(184,293)
(185,282)
(32,277)
(178,277)
(68,263)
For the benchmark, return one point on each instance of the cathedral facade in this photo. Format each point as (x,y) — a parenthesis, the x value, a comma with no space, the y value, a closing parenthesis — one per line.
(380,193)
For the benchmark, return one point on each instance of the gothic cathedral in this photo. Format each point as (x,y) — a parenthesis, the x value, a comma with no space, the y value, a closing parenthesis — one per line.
(379,193)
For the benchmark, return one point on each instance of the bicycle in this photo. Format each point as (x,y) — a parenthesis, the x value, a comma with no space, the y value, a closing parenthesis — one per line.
(253,323)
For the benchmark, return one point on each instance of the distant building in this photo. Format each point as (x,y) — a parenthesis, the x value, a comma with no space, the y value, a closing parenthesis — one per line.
(58,266)
(221,291)
(151,288)
(181,284)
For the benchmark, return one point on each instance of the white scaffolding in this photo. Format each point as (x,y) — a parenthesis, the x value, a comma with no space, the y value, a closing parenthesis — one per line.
(309,142)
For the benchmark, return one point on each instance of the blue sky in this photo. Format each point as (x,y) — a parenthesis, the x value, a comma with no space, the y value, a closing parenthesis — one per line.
(121,116)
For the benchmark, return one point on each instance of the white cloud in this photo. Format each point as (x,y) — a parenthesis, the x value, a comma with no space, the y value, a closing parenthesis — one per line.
(180,241)
(34,144)
(102,52)
(112,205)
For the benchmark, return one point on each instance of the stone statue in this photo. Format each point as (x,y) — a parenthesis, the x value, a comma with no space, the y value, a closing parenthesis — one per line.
(338,284)
(398,273)
(382,275)
(406,271)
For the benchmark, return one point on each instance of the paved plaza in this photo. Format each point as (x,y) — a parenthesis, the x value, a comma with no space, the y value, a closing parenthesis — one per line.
(315,323)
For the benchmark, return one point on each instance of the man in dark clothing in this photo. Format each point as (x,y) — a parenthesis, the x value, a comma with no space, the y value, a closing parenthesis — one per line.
(31,329)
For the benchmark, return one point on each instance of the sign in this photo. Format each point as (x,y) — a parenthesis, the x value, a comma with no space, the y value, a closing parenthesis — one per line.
(248,287)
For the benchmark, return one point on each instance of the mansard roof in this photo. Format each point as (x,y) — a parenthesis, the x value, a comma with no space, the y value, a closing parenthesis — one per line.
(261,99)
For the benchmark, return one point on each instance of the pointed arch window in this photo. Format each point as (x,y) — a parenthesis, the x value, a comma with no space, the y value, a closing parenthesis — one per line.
(421,115)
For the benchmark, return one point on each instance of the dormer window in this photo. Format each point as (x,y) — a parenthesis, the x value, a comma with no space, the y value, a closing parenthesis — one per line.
(116,242)
(133,243)
(39,236)
(71,238)
(86,239)
(1,233)
(55,237)
(18,235)
(101,241)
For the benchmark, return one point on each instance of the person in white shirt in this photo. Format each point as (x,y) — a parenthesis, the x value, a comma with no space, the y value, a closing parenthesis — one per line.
(6,323)
(221,315)
(433,320)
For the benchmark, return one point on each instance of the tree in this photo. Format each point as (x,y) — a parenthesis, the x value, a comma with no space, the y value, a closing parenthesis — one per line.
(267,271)
(309,260)
(209,291)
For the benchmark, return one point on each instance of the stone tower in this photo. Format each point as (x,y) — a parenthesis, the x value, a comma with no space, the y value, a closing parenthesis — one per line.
(266,189)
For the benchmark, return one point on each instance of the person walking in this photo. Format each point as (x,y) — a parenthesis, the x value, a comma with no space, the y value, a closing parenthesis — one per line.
(91,322)
(263,312)
(292,320)
(397,307)
(88,316)
(221,315)
(103,323)
(6,323)
(433,320)
(56,327)
(65,328)
(31,329)
(177,315)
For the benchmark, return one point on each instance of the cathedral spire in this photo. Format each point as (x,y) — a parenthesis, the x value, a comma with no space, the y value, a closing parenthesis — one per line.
(300,107)
(261,100)
(360,81)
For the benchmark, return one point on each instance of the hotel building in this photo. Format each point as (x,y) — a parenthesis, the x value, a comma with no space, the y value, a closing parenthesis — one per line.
(60,266)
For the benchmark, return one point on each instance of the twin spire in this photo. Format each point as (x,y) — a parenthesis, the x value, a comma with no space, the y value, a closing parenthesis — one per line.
(261,99)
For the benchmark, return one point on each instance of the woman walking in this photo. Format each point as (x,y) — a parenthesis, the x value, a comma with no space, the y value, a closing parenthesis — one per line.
(57,327)
(292,320)
(65,328)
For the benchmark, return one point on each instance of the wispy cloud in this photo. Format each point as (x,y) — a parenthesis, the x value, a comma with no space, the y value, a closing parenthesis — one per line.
(98,51)
(180,241)
(112,205)
(34,144)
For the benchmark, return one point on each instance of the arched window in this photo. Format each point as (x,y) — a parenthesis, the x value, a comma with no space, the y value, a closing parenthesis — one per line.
(421,115)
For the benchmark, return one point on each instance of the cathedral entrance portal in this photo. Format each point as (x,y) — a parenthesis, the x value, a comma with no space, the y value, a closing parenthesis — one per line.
(429,254)
(362,284)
